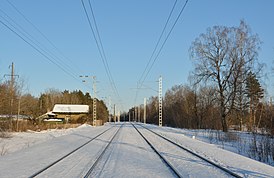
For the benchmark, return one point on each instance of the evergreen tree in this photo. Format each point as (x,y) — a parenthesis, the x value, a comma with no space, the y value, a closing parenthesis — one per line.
(254,92)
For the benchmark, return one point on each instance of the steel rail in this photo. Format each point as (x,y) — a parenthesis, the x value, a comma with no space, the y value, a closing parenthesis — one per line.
(195,154)
(101,155)
(63,157)
(174,171)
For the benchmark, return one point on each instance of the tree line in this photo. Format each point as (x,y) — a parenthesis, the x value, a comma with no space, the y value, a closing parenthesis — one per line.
(186,107)
(12,102)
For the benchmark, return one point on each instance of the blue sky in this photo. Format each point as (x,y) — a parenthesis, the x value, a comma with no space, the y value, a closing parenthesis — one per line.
(129,31)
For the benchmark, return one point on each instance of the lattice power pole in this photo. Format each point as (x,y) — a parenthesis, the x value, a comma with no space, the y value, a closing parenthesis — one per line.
(94,97)
(129,116)
(119,116)
(135,114)
(160,101)
(145,109)
(114,114)
(94,100)
(139,114)
(109,107)
(271,113)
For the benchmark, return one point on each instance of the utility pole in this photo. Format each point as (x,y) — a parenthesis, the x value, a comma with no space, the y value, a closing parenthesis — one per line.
(12,75)
(145,109)
(272,130)
(129,116)
(132,118)
(11,86)
(135,114)
(12,81)
(94,96)
(109,106)
(114,114)
(94,101)
(18,113)
(139,114)
(160,101)
(119,115)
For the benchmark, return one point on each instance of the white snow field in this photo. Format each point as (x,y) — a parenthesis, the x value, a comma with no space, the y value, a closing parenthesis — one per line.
(127,156)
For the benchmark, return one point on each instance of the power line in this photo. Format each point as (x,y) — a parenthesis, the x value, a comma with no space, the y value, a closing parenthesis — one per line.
(99,44)
(154,50)
(37,48)
(18,30)
(156,57)
(94,35)
(46,38)
(157,44)
(146,72)
(61,61)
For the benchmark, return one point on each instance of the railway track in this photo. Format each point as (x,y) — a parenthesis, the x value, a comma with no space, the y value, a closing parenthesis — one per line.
(121,151)
(173,170)
(51,165)
(91,169)
(176,171)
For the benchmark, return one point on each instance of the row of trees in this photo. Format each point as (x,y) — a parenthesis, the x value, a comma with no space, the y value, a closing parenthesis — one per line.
(186,107)
(225,89)
(13,103)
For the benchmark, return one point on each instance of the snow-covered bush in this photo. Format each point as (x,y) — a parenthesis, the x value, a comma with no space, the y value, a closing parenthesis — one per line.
(4,133)
(261,148)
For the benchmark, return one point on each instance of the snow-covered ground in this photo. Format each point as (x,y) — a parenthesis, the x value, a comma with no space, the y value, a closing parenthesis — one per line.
(239,164)
(129,156)
(255,146)
(20,140)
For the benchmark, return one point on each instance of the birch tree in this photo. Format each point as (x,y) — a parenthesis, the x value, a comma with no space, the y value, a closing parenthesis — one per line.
(222,56)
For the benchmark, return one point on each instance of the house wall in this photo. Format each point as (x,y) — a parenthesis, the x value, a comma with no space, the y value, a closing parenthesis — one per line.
(70,117)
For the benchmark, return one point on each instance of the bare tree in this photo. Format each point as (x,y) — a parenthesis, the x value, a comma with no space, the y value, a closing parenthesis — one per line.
(222,56)
(152,110)
(4,98)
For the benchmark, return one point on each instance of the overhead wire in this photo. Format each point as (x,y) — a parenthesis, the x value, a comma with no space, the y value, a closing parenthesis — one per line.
(95,38)
(149,64)
(153,52)
(99,44)
(37,49)
(34,43)
(157,44)
(112,82)
(64,59)
(169,33)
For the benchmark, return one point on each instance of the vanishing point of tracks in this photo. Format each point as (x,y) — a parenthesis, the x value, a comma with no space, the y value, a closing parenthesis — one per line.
(169,164)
